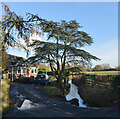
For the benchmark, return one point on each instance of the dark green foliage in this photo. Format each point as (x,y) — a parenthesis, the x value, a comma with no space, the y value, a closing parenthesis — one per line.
(65,41)
(103,81)
(95,96)
(15,27)
(63,47)
(116,82)
(105,77)
(116,85)
(74,69)
(41,71)
(50,73)
(80,81)
(66,73)
(5,59)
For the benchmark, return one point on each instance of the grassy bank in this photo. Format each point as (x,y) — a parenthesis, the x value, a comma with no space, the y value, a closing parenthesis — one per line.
(52,90)
(103,72)
(98,97)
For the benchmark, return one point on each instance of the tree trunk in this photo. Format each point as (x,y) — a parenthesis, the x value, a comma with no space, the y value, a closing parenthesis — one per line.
(64,87)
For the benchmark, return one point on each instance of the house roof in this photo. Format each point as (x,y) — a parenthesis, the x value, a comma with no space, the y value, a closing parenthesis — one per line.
(16,60)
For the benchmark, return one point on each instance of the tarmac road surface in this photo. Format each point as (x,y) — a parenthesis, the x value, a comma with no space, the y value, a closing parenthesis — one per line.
(51,106)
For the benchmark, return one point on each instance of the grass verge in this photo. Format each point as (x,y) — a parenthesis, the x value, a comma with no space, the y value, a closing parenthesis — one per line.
(103,72)
(52,90)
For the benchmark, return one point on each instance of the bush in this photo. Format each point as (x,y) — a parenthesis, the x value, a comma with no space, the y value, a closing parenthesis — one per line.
(80,81)
(66,73)
(116,85)
(98,97)
(50,73)
(41,71)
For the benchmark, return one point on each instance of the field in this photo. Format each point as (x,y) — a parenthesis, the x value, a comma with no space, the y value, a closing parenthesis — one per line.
(103,72)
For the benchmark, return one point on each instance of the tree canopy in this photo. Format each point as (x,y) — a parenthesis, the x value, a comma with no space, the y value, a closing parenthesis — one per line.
(62,47)
(14,27)
(97,68)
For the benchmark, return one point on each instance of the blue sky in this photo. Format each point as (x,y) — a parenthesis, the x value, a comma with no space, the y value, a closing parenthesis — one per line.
(99,20)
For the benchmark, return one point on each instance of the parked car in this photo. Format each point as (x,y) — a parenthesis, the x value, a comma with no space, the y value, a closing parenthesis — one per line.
(42,78)
(1,76)
(24,79)
(31,79)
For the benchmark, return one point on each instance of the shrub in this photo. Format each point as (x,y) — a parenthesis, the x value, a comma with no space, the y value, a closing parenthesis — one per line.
(80,81)
(41,71)
(116,85)
(94,96)
(50,73)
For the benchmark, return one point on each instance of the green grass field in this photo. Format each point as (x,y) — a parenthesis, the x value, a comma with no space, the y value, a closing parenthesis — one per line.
(104,72)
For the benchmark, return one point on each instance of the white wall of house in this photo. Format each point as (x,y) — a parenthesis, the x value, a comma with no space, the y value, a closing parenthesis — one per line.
(23,70)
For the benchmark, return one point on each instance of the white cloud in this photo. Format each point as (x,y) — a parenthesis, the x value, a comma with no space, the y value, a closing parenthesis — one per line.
(20,51)
(107,52)
(35,36)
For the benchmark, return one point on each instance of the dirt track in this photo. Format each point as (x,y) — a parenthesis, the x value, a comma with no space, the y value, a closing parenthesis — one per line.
(51,106)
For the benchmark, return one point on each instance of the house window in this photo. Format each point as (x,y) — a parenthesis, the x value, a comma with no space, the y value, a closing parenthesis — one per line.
(32,71)
(35,71)
(19,70)
(24,70)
